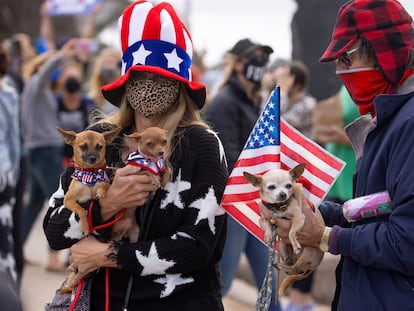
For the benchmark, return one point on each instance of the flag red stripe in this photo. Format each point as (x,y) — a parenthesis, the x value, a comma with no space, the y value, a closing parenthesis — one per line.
(326,177)
(258,160)
(240,197)
(245,221)
(309,145)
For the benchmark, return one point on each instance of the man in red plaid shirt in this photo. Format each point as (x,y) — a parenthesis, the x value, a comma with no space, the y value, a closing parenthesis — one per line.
(372,44)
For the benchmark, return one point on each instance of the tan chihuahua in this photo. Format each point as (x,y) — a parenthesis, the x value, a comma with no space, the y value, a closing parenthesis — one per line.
(89,179)
(282,197)
(149,157)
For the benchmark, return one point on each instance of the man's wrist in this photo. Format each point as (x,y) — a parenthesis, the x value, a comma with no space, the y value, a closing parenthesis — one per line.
(324,243)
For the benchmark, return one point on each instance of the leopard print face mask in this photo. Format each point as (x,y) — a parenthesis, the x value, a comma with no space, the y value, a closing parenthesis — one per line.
(152,97)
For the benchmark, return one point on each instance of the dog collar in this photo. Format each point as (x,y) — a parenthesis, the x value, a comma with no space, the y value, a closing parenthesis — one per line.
(89,176)
(280,207)
(137,159)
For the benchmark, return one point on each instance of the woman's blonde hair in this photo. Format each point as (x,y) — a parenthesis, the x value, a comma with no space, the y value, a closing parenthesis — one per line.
(229,62)
(183,113)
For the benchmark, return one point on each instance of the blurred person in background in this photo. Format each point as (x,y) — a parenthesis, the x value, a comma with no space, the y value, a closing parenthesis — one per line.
(9,173)
(74,105)
(44,144)
(105,70)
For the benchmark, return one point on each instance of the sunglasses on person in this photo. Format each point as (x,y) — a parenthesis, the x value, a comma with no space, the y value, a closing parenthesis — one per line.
(346,57)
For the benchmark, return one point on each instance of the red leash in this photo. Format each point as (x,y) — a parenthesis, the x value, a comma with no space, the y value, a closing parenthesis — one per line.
(80,285)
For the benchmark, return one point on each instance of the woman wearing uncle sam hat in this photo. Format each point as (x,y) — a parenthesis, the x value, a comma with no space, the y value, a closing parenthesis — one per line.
(174,263)
(372,44)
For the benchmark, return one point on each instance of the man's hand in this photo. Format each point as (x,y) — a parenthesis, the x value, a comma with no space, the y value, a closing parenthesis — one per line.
(311,232)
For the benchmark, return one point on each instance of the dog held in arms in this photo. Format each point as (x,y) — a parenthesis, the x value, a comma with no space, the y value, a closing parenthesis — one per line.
(282,197)
(89,180)
(149,158)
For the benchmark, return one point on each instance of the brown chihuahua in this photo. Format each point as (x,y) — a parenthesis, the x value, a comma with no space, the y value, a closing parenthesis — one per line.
(89,180)
(149,157)
(282,197)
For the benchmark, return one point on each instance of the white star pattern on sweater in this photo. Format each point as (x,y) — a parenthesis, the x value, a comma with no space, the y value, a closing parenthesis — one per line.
(173,60)
(208,209)
(153,264)
(6,215)
(174,189)
(171,281)
(141,55)
(221,148)
(181,235)
(73,232)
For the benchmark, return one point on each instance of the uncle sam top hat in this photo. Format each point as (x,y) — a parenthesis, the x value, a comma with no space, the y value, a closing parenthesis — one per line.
(154,39)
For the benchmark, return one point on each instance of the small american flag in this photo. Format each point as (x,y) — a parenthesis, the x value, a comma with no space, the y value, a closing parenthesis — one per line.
(274,144)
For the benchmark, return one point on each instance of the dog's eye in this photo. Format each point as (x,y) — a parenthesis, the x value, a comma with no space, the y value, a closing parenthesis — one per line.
(271,187)
(288,186)
(98,147)
(150,144)
(83,147)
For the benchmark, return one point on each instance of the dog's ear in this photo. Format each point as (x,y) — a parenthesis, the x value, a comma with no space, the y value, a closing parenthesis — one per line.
(255,180)
(68,136)
(111,135)
(297,171)
(135,136)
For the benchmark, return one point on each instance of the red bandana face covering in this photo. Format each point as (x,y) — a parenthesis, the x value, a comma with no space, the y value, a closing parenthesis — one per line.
(364,84)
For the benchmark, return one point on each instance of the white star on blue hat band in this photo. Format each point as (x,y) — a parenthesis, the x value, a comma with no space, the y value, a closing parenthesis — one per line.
(159,54)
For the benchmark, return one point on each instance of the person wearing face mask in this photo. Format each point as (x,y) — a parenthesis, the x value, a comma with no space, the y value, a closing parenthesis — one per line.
(232,113)
(106,69)
(174,264)
(44,144)
(373,44)
(74,106)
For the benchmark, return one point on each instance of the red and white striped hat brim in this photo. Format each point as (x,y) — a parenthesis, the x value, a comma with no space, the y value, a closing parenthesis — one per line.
(154,39)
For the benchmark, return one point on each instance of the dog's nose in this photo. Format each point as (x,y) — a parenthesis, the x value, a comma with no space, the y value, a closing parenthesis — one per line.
(160,153)
(92,159)
(282,195)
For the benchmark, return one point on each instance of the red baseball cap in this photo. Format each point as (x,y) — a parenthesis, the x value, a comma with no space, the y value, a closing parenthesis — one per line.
(154,39)
(385,24)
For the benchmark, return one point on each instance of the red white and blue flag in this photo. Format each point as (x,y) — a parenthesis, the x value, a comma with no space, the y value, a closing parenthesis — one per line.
(274,144)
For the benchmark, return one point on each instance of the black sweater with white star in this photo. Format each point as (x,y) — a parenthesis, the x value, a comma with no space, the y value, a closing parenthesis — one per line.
(181,236)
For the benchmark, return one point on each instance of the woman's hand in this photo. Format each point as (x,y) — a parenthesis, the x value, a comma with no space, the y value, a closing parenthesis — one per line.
(311,232)
(130,188)
(88,255)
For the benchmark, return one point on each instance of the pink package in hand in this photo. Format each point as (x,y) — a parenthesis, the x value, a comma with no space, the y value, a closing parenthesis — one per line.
(369,206)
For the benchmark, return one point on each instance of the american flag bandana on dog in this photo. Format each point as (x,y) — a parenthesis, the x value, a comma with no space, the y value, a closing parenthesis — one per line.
(385,24)
(90,177)
(138,160)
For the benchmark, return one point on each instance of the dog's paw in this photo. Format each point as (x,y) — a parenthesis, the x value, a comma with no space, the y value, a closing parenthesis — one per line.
(102,189)
(84,228)
(297,248)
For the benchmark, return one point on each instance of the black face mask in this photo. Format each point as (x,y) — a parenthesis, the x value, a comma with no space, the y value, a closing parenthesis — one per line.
(255,67)
(254,71)
(108,75)
(72,85)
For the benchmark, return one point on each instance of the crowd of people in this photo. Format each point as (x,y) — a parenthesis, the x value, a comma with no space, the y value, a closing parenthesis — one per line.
(189,249)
